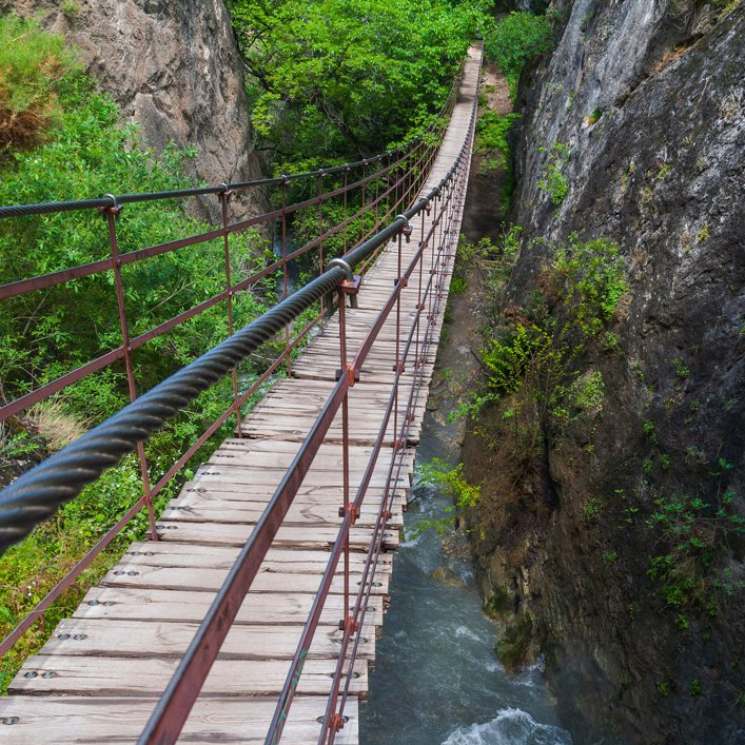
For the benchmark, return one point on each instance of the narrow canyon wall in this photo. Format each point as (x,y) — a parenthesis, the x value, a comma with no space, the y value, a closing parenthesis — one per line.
(172,66)
(646,103)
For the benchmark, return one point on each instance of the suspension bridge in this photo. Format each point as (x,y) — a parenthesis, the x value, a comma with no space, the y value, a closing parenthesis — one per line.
(251,613)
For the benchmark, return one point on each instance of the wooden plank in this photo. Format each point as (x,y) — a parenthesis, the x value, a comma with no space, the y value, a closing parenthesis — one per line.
(231,534)
(121,676)
(234,485)
(258,608)
(119,721)
(110,638)
(246,477)
(212,510)
(126,574)
(168,554)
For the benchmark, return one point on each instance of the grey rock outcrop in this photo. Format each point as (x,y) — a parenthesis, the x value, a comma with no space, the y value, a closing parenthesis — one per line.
(172,66)
(646,102)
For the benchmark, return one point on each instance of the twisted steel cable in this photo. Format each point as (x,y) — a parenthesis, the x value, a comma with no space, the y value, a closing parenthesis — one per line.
(35,495)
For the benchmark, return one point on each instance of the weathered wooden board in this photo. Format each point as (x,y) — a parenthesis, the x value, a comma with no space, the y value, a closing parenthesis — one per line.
(304,561)
(104,638)
(125,574)
(204,510)
(231,534)
(258,608)
(122,676)
(119,721)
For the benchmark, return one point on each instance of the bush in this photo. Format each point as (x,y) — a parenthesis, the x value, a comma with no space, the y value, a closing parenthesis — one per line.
(491,138)
(31,64)
(515,40)
(555,183)
(509,360)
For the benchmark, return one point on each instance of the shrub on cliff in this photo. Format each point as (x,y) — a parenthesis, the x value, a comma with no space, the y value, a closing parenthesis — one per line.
(515,40)
(32,63)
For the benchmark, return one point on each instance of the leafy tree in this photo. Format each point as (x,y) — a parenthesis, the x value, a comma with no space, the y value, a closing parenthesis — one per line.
(516,39)
(337,79)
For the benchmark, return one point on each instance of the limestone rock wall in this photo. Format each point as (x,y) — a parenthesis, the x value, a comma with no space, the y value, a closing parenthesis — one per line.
(647,99)
(172,66)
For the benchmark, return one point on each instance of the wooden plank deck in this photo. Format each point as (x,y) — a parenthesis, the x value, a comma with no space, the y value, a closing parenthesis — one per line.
(98,677)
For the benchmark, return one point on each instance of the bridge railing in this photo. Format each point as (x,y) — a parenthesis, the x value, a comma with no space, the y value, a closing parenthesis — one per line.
(37,494)
(378,187)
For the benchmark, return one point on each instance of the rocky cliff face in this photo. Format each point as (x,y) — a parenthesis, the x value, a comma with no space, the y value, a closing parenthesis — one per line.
(172,66)
(639,116)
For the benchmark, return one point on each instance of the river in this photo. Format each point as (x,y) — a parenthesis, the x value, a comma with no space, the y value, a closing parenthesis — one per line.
(437,680)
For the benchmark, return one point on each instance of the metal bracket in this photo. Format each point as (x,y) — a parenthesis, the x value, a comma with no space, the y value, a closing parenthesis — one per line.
(351,284)
(353,511)
(349,624)
(407,230)
(352,375)
(114,208)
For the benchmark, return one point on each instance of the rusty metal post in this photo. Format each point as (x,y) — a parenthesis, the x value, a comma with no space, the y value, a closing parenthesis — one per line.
(224,201)
(437,217)
(398,368)
(345,203)
(111,214)
(344,369)
(285,266)
(419,304)
(319,217)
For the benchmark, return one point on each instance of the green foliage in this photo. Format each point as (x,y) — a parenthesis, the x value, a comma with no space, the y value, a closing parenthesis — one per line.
(492,144)
(511,243)
(593,281)
(70,8)
(681,369)
(332,79)
(515,40)
(555,183)
(587,393)
(450,479)
(458,285)
(510,359)
(595,117)
(499,602)
(694,531)
(588,281)
(32,62)
(538,350)
(592,508)
(664,688)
